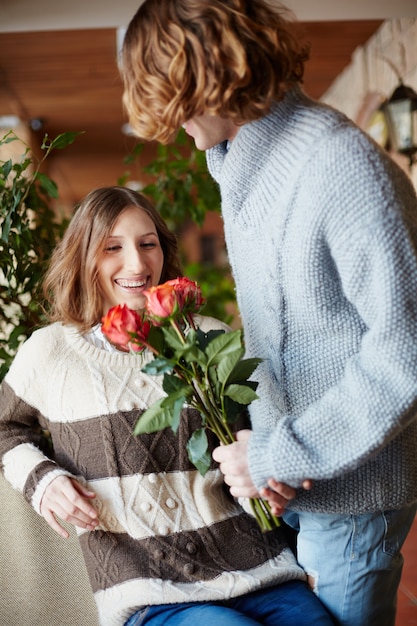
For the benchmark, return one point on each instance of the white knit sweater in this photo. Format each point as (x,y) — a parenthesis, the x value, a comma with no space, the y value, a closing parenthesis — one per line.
(321,232)
(166,534)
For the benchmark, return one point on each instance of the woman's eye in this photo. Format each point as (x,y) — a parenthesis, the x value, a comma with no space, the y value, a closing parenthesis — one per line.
(112,248)
(148,244)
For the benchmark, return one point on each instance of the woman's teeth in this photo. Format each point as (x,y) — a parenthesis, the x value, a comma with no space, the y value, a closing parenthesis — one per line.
(131,283)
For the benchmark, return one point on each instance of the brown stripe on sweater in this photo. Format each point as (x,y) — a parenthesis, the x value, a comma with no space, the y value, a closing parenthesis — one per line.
(182,557)
(90,447)
(14,409)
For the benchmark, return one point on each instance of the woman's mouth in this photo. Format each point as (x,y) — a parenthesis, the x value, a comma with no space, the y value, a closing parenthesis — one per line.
(126,283)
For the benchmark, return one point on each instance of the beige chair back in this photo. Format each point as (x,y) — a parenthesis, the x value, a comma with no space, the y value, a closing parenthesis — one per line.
(43,580)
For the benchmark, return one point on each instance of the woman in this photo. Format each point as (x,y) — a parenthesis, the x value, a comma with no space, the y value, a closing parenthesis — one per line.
(162,544)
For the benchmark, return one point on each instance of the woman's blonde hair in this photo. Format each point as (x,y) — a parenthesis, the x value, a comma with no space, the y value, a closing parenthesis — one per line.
(71,283)
(183,58)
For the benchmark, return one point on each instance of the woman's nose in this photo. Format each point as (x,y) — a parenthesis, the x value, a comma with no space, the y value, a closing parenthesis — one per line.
(135,260)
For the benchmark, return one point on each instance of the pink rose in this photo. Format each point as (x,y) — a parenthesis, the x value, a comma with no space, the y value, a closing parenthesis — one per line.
(188,294)
(178,296)
(161,303)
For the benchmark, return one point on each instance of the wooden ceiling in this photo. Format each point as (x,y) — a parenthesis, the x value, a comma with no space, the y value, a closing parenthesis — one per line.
(69,80)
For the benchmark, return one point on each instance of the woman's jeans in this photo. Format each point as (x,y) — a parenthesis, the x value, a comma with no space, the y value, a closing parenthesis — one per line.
(289,604)
(354,562)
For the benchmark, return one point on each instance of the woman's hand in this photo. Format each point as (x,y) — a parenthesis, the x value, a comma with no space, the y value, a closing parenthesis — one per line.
(279,494)
(69,500)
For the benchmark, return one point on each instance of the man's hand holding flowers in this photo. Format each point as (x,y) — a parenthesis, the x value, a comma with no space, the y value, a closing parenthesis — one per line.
(233,463)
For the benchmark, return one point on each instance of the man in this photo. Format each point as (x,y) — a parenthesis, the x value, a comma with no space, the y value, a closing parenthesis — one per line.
(321,234)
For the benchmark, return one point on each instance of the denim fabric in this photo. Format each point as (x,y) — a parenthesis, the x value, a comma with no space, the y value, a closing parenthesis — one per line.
(289,604)
(354,562)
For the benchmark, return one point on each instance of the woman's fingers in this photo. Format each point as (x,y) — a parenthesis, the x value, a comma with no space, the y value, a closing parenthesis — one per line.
(279,494)
(68,500)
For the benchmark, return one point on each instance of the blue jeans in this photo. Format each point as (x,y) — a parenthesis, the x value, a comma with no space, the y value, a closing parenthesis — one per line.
(289,604)
(354,562)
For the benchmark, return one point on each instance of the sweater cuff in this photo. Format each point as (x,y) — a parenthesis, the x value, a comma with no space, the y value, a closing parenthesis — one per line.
(258,458)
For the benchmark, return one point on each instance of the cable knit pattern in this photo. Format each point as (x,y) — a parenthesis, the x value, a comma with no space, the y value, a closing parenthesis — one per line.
(320,226)
(166,534)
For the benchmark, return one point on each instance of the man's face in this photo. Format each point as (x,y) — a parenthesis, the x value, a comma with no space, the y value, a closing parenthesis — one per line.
(210,130)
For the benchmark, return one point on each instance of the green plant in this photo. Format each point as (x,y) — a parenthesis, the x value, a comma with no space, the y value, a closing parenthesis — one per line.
(29,230)
(181,188)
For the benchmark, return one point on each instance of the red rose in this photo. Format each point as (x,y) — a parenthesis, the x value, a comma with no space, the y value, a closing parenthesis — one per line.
(125,328)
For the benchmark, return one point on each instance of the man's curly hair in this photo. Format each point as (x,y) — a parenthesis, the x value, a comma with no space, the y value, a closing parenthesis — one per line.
(183,58)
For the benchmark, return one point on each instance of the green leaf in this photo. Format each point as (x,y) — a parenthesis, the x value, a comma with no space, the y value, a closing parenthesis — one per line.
(244,369)
(158,366)
(192,354)
(203,339)
(156,338)
(172,398)
(223,345)
(47,184)
(172,384)
(176,409)
(232,409)
(198,453)
(187,349)
(227,364)
(63,140)
(9,137)
(241,394)
(172,339)
(5,231)
(6,168)
(154,419)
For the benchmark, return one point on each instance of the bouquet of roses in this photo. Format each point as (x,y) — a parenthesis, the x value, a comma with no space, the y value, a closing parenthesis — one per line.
(205,371)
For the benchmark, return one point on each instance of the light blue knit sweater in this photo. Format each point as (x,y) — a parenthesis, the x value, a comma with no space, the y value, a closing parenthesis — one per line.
(321,231)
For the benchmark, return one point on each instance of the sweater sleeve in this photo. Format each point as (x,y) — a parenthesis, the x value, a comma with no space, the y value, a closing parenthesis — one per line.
(23,452)
(371,234)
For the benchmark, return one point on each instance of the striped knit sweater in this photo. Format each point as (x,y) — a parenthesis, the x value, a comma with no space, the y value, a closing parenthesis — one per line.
(166,534)
(321,232)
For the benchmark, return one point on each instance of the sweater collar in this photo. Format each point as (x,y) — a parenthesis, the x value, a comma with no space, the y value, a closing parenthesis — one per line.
(254,140)
(273,150)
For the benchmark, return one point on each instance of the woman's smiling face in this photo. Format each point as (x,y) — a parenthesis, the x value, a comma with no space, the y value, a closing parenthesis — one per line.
(131,261)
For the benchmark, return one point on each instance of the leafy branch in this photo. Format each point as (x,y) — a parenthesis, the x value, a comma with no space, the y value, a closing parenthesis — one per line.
(29,230)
